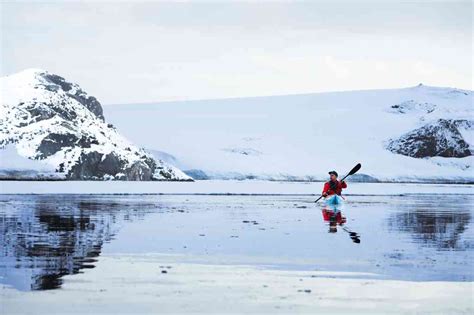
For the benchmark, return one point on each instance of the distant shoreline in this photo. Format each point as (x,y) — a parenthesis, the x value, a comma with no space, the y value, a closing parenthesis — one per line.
(224,188)
(419,181)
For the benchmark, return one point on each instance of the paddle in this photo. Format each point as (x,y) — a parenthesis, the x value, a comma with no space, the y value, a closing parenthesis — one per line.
(354,170)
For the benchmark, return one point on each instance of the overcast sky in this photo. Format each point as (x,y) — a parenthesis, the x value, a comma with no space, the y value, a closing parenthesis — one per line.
(157,51)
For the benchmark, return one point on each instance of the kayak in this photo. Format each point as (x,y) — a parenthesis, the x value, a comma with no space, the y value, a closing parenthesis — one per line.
(334,202)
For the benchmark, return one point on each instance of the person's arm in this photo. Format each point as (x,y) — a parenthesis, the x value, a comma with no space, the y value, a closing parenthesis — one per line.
(325,189)
(343,184)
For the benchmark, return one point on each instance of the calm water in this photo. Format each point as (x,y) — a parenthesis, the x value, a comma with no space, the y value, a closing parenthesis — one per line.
(411,237)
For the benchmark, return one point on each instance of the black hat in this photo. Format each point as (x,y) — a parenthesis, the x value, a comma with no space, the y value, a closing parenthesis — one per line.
(333,172)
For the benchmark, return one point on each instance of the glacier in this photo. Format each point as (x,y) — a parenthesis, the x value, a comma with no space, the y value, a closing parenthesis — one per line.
(302,137)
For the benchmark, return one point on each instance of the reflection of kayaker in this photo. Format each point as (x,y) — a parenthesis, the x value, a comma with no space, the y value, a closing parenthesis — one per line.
(334,218)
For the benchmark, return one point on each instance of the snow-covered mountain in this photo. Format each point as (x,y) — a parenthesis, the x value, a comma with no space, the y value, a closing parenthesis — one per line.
(51,128)
(420,133)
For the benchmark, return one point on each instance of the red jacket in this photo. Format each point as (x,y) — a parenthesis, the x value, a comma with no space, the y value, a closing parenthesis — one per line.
(339,186)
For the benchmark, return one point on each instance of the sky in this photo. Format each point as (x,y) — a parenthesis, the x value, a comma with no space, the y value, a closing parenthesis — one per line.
(131,52)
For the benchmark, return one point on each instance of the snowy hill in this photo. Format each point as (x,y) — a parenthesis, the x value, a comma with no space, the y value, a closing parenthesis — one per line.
(51,128)
(420,133)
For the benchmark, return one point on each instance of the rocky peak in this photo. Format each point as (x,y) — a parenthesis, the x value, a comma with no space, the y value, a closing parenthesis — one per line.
(50,119)
(73,90)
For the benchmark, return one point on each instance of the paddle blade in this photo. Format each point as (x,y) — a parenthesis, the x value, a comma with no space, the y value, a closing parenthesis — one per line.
(355,169)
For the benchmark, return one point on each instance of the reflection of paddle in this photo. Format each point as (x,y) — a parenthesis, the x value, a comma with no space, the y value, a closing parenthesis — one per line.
(349,231)
(353,235)
(354,170)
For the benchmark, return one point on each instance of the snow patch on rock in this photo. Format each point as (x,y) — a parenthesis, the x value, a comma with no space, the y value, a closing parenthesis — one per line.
(412,106)
(243,151)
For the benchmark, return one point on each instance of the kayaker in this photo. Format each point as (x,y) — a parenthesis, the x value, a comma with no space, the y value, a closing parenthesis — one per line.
(333,186)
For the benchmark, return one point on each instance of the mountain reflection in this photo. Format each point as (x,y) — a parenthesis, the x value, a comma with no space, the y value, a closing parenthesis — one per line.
(439,229)
(46,237)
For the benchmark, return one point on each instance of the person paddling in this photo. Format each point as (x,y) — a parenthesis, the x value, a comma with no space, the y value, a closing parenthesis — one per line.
(333,186)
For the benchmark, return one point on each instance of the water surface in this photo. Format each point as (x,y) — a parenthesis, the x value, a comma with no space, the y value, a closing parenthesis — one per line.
(422,237)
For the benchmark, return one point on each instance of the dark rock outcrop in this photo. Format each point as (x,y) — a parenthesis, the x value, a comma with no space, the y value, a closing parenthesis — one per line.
(140,171)
(90,102)
(439,138)
(55,142)
(95,165)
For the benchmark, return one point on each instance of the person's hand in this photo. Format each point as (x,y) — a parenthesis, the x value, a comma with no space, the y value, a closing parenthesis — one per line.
(325,195)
